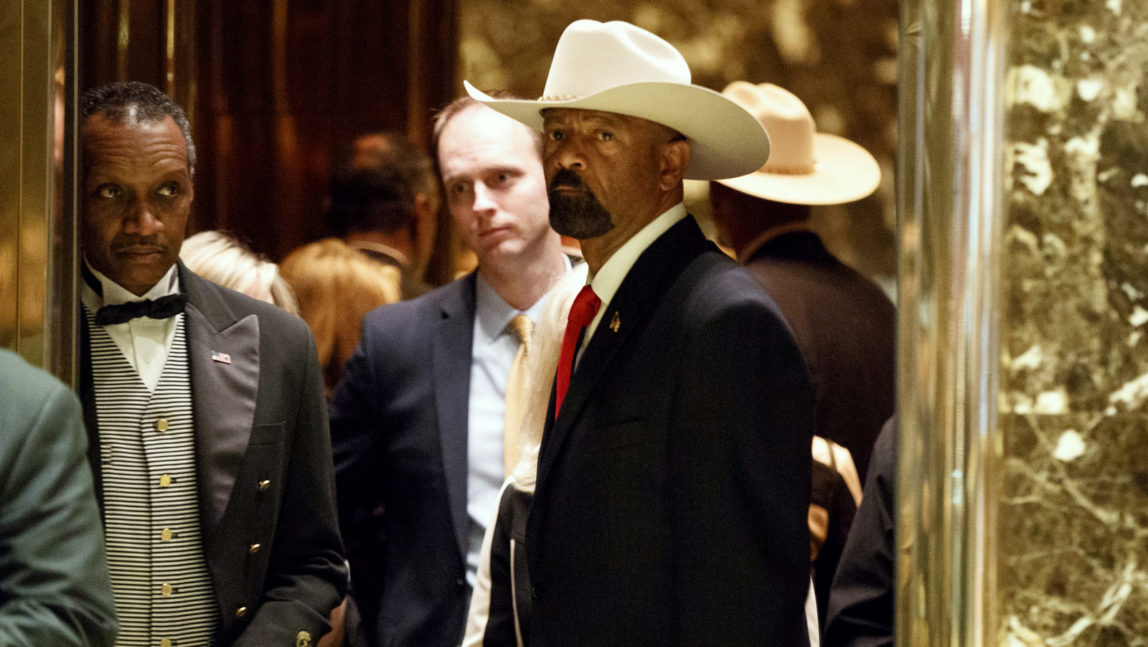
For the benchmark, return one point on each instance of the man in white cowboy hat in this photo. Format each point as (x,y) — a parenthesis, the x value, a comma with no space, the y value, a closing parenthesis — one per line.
(844,323)
(673,478)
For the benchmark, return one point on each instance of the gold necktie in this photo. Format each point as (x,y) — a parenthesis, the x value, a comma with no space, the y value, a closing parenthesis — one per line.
(516,386)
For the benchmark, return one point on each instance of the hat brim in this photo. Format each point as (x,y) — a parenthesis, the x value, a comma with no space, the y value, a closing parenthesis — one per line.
(844,172)
(725,140)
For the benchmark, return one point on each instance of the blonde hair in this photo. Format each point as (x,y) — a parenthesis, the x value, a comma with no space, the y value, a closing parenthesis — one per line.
(336,286)
(222,258)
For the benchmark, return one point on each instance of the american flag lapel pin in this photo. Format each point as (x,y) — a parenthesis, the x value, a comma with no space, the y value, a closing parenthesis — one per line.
(222,358)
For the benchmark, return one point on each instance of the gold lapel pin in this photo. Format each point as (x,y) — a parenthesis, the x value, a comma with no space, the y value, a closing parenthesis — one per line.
(615,322)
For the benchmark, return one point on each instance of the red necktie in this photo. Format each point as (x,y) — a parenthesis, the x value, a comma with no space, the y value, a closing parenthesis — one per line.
(585,306)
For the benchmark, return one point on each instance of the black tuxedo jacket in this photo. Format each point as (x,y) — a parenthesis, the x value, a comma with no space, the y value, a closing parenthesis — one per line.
(261,419)
(673,487)
(399,429)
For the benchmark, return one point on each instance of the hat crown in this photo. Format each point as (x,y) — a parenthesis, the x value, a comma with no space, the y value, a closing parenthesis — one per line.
(592,56)
(623,69)
(787,120)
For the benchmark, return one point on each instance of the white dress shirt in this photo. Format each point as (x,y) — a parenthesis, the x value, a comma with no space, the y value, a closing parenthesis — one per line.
(610,276)
(144,341)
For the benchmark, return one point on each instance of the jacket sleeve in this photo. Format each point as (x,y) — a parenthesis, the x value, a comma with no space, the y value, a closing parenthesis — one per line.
(355,425)
(861,601)
(54,587)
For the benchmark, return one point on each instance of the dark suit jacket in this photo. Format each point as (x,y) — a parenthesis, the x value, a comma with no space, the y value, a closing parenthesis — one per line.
(260,418)
(673,488)
(399,429)
(845,327)
(861,601)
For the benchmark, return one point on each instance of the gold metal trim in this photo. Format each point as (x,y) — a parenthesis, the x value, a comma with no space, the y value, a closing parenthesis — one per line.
(950,197)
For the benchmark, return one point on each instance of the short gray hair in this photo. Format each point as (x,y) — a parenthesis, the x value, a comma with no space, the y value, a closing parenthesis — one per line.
(116,100)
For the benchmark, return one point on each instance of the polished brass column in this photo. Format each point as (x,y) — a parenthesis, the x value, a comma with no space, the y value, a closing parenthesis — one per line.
(949,201)
(1023,359)
(37,250)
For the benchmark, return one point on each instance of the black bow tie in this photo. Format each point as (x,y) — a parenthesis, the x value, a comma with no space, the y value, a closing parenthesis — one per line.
(161,308)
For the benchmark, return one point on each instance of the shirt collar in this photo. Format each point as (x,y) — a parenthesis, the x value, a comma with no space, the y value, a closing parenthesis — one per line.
(769,234)
(492,313)
(112,293)
(610,276)
(379,248)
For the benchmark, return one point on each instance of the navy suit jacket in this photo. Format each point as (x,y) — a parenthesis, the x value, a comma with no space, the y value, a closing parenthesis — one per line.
(399,430)
(673,487)
(261,417)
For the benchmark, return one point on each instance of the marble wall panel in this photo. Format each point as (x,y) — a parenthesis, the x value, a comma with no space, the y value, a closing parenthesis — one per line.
(1074,375)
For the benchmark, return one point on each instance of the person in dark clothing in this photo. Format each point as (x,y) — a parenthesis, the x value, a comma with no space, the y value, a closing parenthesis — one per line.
(383,201)
(861,600)
(843,322)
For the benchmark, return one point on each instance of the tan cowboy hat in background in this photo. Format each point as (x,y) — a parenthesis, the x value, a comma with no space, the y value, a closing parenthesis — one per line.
(805,166)
(617,67)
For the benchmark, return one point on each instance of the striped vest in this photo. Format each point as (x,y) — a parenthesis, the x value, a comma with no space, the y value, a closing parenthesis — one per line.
(163,592)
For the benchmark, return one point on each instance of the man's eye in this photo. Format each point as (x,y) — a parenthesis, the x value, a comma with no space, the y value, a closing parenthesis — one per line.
(109,191)
(605,135)
(555,135)
(168,190)
(458,189)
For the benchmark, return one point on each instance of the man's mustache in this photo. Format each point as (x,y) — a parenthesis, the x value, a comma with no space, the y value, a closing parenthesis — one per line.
(565,178)
(124,242)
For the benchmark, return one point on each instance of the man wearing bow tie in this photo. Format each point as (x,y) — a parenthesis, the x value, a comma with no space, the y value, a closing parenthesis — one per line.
(205,409)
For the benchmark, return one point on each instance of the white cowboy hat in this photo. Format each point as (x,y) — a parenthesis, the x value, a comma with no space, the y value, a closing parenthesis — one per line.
(617,67)
(805,166)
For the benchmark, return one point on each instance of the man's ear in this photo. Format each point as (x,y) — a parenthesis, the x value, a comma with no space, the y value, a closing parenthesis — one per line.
(675,157)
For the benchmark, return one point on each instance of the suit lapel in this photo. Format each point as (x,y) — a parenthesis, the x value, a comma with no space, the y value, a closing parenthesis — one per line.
(451,350)
(223,357)
(653,273)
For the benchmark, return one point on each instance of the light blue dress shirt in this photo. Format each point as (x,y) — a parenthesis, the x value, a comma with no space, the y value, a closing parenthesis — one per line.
(495,345)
